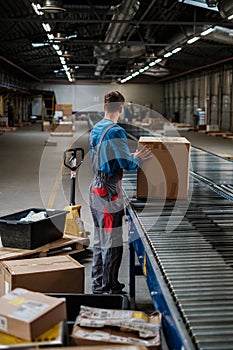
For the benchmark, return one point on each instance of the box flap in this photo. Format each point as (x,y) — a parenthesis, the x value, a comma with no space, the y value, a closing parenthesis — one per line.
(54,263)
(12,304)
(163,139)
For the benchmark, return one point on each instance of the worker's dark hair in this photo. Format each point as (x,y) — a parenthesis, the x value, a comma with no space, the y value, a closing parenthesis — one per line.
(113,100)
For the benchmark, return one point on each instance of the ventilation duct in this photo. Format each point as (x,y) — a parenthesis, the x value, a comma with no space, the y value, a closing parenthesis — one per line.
(124,12)
(201,3)
(132,50)
(221,35)
(157,72)
(225,8)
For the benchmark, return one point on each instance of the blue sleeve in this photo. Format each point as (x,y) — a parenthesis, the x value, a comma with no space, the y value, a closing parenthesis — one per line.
(119,145)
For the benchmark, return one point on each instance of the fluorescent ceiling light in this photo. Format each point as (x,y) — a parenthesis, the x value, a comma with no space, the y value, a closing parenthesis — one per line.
(199,3)
(230,17)
(56,47)
(177,50)
(71,36)
(151,64)
(168,54)
(50,36)
(158,60)
(207,31)
(192,40)
(39,44)
(37,8)
(46,27)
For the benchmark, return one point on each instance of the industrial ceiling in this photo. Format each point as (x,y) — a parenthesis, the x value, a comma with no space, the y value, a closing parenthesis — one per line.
(114,40)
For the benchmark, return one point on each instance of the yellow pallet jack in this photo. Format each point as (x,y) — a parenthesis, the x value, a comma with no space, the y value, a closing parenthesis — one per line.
(74,224)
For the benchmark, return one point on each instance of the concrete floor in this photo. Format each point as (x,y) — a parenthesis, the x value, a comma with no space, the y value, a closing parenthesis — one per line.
(32,176)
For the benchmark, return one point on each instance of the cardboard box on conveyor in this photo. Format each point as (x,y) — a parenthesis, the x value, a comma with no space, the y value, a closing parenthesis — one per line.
(96,326)
(166,174)
(27,314)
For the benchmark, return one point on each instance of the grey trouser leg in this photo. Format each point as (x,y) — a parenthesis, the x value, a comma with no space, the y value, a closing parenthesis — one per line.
(107,251)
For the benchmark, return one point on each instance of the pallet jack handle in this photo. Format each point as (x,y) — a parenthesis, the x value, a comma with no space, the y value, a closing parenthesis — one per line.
(73,166)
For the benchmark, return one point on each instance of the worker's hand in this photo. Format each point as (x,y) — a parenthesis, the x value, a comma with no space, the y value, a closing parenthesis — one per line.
(144,153)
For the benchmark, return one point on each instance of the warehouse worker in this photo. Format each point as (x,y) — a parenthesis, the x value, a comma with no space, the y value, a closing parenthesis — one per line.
(110,155)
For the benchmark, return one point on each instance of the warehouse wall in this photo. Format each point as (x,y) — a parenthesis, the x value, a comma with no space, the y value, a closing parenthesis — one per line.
(90,96)
(210,91)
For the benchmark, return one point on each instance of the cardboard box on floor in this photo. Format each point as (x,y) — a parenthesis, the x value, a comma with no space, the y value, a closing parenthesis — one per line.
(27,314)
(166,174)
(55,274)
(95,326)
(53,336)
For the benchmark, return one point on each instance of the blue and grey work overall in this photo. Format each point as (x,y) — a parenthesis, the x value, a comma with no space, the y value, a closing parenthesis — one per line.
(106,203)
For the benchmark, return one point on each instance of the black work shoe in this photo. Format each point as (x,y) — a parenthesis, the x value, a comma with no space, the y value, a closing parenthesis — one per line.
(97,291)
(119,292)
(121,285)
(116,291)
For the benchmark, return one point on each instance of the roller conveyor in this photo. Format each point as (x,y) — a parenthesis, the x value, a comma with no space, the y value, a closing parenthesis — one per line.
(214,170)
(186,254)
(192,248)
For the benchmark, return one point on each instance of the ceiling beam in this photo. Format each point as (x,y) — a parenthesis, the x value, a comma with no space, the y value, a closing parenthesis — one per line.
(105,21)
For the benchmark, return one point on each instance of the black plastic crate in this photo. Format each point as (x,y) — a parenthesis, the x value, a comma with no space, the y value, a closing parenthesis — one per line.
(30,235)
(105,301)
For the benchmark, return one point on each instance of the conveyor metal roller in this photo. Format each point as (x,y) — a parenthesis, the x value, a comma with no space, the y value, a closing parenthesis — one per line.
(193,246)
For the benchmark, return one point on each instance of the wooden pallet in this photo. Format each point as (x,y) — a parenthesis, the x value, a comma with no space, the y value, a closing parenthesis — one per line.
(228,136)
(220,133)
(182,125)
(67,245)
(54,133)
(227,156)
(7,129)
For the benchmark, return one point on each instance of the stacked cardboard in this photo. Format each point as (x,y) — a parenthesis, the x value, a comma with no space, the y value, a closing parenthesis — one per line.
(66,109)
(95,326)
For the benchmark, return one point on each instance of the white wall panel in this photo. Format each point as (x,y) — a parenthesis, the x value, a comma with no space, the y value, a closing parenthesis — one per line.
(90,96)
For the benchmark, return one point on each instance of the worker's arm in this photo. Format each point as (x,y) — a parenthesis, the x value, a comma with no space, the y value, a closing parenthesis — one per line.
(126,160)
